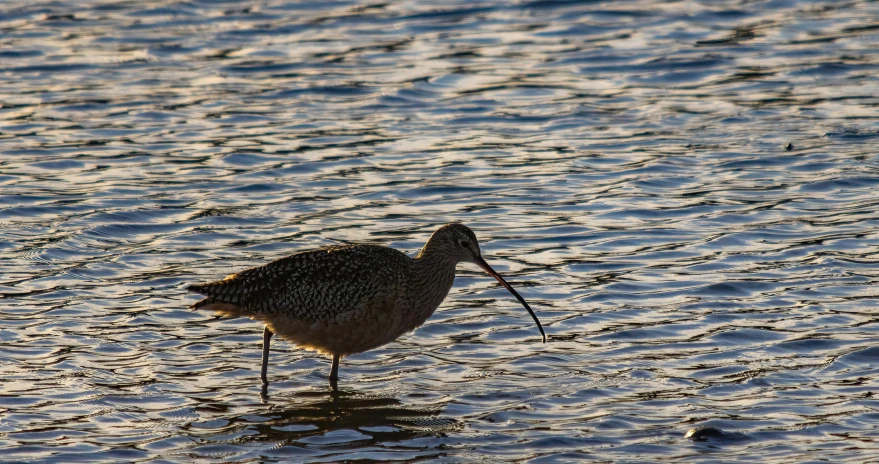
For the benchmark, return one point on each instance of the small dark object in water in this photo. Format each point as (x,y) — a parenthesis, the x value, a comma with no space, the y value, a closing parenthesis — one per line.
(789,146)
(706,433)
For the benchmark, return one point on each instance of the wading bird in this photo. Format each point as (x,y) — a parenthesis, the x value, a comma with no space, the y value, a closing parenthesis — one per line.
(342,300)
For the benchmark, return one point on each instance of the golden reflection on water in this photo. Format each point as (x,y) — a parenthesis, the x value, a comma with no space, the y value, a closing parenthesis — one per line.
(623,163)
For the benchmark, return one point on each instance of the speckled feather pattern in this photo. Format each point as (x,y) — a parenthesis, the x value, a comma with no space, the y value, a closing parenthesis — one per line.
(343,299)
(332,283)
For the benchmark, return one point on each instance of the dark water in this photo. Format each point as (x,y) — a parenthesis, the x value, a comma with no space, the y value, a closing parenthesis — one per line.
(624,164)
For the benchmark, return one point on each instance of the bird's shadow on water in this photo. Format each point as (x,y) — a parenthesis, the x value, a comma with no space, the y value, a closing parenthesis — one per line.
(308,419)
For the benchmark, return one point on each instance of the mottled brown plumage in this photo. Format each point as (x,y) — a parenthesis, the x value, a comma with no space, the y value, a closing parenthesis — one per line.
(348,299)
(310,282)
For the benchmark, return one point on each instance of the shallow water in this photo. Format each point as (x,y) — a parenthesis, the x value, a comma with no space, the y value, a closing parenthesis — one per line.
(625,165)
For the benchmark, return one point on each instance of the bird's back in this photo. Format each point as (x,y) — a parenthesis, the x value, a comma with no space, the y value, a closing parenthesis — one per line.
(319,285)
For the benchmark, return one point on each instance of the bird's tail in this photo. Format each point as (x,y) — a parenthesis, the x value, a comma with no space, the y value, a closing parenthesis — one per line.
(212,304)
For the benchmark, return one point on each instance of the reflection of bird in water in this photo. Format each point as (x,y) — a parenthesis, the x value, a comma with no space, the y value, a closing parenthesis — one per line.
(338,417)
(344,300)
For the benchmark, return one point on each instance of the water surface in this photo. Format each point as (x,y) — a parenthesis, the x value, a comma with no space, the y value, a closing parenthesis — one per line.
(684,191)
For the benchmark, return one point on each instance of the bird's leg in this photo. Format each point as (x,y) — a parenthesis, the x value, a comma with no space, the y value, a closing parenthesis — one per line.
(266,338)
(334,372)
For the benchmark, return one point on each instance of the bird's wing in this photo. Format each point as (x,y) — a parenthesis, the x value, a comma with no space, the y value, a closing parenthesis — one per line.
(315,285)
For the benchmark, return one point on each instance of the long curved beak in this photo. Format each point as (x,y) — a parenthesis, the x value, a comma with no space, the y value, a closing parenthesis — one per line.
(481,263)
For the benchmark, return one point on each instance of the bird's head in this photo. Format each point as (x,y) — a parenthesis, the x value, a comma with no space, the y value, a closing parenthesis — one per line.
(457,243)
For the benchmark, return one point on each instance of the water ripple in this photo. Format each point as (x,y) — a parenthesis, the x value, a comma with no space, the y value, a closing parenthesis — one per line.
(682,191)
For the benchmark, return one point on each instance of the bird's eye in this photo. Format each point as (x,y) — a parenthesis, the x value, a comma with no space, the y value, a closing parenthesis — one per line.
(465,244)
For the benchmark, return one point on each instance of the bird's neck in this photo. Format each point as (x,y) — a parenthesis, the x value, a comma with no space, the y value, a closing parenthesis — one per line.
(432,278)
